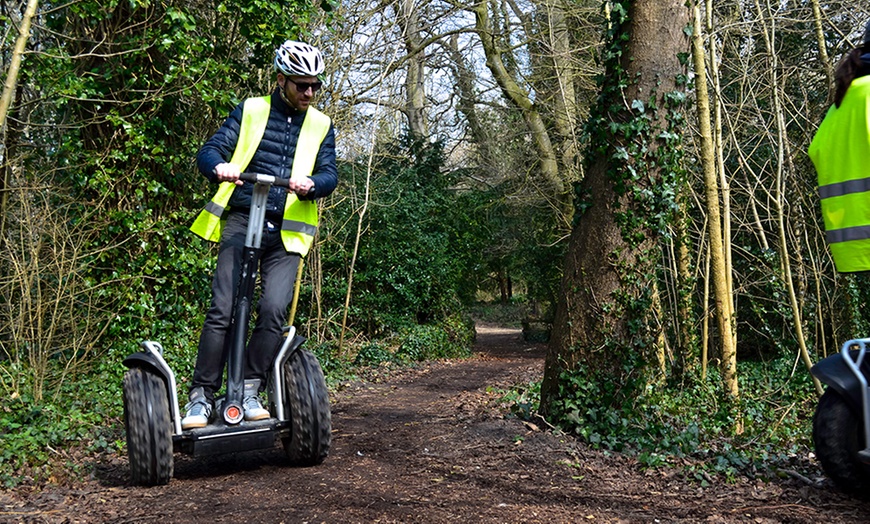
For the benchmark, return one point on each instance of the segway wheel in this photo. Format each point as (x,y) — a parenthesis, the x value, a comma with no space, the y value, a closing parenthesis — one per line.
(149,428)
(838,436)
(307,399)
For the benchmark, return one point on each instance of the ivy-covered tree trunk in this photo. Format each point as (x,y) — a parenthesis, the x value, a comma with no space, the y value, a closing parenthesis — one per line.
(604,330)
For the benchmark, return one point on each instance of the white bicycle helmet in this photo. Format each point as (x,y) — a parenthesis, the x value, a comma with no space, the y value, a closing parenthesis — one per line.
(298,59)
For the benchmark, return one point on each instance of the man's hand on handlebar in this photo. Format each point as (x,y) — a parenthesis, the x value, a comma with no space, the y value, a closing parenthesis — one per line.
(301,185)
(227,172)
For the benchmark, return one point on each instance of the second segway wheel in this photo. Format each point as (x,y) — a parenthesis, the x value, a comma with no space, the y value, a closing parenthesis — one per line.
(306,396)
(149,428)
(838,436)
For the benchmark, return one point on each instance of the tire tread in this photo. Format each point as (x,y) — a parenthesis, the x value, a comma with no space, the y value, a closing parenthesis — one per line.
(307,399)
(149,437)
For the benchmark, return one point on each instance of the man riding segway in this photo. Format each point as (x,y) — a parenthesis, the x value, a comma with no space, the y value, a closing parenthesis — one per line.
(283,136)
(265,219)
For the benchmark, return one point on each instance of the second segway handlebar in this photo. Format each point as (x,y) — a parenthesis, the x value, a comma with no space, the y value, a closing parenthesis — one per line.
(265,179)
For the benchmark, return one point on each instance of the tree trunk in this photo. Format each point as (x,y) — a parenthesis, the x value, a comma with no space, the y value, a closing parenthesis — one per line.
(823,48)
(465,79)
(720,269)
(779,203)
(6,100)
(415,90)
(15,62)
(686,356)
(558,72)
(517,95)
(503,286)
(604,316)
(719,155)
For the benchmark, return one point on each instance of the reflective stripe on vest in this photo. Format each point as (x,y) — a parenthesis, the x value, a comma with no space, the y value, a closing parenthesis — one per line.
(840,151)
(300,218)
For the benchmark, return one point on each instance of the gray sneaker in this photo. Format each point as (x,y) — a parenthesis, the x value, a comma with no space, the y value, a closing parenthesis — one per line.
(197,411)
(253,407)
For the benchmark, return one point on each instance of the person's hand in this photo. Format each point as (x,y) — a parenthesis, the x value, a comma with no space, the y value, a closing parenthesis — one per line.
(300,185)
(227,172)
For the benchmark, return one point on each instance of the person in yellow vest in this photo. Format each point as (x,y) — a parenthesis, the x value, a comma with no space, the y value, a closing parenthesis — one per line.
(840,151)
(284,136)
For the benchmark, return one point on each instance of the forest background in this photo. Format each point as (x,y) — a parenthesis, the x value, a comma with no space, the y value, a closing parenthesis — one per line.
(465,133)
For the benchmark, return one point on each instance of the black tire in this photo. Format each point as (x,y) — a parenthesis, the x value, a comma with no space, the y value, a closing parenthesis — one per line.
(307,400)
(149,428)
(838,436)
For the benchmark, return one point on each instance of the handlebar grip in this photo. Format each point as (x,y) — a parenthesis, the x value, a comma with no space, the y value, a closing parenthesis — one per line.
(264,179)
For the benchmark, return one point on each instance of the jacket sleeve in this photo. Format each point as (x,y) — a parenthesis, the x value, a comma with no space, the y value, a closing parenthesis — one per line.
(325,175)
(219,148)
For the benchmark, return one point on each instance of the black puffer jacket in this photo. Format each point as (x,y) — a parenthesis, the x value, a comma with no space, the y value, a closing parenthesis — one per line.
(865,63)
(274,156)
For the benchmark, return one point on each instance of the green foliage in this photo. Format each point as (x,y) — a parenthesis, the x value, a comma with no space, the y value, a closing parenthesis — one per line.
(694,422)
(336,368)
(511,313)
(510,240)
(452,338)
(521,400)
(858,295)
(374,354)
(41,440)
(415,257)
(764,311)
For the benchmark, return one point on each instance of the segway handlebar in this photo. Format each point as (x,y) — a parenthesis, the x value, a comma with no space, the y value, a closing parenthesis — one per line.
(265,179)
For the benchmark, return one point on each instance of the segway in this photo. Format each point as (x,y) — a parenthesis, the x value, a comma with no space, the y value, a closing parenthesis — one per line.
(841,426)
(297,396)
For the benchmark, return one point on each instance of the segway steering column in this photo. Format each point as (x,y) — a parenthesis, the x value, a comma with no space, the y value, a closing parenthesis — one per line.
(233,412)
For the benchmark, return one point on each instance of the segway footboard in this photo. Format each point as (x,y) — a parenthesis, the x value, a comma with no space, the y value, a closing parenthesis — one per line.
(219,438)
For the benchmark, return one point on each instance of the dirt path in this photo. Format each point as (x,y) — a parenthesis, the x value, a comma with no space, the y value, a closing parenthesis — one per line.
(431,445)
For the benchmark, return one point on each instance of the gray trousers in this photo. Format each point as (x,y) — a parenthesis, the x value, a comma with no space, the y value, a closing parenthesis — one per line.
(277,276)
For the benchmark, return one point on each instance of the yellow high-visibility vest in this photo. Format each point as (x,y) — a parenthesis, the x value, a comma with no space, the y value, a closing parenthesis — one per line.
(300,218)
(840,150)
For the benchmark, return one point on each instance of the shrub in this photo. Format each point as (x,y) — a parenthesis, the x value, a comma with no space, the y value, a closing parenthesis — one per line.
(696,421)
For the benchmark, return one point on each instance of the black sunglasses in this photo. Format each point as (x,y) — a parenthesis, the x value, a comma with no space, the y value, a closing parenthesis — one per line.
(305,86)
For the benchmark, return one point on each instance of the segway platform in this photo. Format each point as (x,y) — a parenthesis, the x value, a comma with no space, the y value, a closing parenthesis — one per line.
(298,401)
(218,437)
